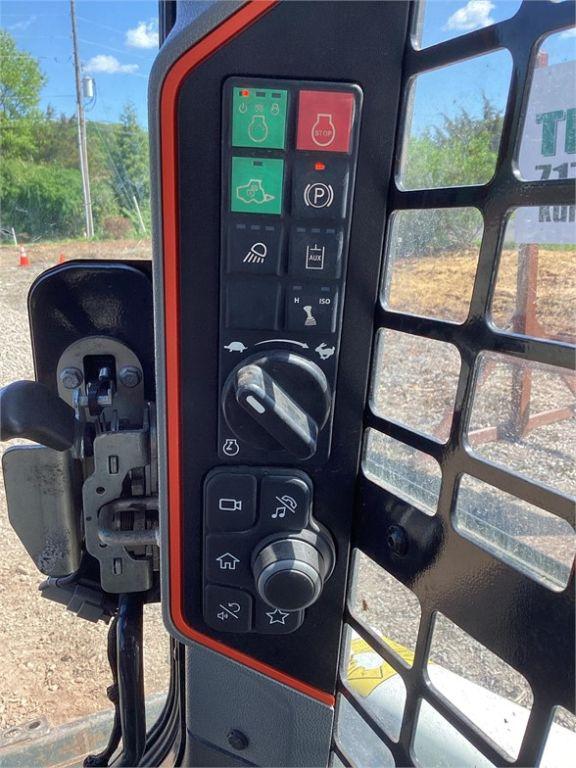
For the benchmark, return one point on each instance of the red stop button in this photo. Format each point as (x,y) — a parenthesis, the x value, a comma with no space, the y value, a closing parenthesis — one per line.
(325,121)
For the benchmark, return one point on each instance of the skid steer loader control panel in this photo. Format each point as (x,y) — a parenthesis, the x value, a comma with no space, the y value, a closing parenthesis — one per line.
(271,240)
(288,169)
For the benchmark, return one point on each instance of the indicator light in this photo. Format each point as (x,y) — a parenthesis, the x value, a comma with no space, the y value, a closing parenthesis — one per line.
(244,93)
(319,166)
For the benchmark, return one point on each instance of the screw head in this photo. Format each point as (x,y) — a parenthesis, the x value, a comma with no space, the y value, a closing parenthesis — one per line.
(397,540)
(238,740)
(71,377)
(130,376)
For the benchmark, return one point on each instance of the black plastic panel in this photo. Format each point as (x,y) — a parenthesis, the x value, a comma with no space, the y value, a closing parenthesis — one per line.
(285,44)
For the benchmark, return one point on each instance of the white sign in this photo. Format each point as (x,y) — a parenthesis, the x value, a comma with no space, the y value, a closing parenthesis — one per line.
(548,152)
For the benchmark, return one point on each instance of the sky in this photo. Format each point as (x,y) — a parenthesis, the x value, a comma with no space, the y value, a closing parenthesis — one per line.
(118,41)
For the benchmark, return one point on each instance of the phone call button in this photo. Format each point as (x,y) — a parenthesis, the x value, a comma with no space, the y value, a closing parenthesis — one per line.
(284,503)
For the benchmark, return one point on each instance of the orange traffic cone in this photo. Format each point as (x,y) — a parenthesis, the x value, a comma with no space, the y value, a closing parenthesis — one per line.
(61,258)
(24,260)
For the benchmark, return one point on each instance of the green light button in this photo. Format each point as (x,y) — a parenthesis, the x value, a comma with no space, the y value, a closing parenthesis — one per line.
(256,185)
(259,118)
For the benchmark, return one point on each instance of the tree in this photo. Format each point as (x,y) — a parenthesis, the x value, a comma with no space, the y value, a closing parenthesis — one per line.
(129,156)
(21,81)
(460,152)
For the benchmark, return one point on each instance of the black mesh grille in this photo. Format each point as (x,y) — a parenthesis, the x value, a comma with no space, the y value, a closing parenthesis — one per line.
(538,635)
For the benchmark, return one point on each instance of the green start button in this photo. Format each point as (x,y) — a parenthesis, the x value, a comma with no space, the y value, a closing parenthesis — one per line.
(259,117)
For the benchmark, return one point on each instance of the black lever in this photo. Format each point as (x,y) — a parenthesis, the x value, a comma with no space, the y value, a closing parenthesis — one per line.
(31,410)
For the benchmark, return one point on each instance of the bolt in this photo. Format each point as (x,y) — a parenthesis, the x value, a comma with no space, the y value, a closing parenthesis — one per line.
(130,376)
(238,740)
(397,540)
(71,378)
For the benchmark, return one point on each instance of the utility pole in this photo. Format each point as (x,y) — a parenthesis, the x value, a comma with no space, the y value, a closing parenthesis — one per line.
(82,144)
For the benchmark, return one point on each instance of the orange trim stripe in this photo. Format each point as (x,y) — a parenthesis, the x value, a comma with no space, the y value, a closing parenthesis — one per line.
(231,27)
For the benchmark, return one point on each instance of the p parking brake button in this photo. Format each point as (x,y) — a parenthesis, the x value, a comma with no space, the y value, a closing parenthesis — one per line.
(320,188)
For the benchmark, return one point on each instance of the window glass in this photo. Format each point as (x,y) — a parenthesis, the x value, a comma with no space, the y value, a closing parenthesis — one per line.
(535,293)
(561,739)
(375,684)
(406,472)
(440,20)
(438,744)
(529,538)
(431,262)
(358,741)
(54,664)
(414,382)
(523,419)
(453,123)
(548,140)
(385,605)
(479,684)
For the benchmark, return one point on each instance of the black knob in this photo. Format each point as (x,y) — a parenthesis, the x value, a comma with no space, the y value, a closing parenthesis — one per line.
(290,572)
(278,402)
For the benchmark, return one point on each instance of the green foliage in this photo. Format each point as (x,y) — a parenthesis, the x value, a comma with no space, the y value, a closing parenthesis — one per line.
(21,81)
(40,200)
(461,151)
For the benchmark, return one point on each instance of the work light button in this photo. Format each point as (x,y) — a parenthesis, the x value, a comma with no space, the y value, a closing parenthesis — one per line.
(230,502)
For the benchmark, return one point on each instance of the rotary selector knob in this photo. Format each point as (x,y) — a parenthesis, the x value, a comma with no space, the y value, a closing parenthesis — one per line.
(290,570)
(277,402)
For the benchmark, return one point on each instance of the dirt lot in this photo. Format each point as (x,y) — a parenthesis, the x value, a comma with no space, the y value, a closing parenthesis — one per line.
(55,665)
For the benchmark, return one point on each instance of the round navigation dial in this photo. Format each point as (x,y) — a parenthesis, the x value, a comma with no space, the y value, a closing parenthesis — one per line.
(290,571)
(277,402)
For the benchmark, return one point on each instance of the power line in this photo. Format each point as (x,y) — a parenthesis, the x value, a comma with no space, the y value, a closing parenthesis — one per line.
(82,145)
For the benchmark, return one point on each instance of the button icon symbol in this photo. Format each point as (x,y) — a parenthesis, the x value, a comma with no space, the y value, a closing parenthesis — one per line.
(277,616)
(257,254)
(230,505)
(318,195)
(285,504)
(324,351)
(229,611)
(323,131)
(258,128)
(227,562)
(231,447)
(315,256)
(253,192)
(310,319)
(235,346)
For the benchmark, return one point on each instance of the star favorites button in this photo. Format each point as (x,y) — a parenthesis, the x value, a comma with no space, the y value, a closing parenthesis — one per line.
(273,621)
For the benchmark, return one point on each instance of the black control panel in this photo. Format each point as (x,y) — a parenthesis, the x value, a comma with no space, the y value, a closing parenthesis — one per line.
(288,167)
(265,557)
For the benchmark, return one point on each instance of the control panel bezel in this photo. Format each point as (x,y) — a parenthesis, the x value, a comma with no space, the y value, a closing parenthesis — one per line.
(235,345)
(244,541)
